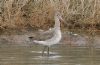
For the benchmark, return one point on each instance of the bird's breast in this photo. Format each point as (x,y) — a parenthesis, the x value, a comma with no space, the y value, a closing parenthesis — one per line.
(55,39)
(58,35)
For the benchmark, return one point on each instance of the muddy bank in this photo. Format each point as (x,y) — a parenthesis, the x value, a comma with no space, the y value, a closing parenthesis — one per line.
(74,39)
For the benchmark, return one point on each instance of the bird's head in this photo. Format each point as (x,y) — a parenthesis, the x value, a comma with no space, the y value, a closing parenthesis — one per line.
(59,16)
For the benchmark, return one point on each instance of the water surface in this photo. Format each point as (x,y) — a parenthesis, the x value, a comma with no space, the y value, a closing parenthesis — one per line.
(59,55)
(72,50)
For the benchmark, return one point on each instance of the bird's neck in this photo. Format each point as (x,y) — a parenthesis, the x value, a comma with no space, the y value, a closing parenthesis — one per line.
(57,23)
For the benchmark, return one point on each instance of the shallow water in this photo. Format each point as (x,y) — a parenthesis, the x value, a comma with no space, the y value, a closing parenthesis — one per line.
(73,50)
(59,55)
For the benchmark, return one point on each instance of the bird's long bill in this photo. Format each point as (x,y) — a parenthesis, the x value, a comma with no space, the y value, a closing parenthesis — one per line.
(62,20)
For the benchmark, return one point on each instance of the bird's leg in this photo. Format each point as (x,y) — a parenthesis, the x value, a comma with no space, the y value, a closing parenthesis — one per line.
(48,51)
(43,50)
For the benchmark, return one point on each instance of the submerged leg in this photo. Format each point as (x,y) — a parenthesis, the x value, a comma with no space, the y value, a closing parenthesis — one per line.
(48,51)
(43,50)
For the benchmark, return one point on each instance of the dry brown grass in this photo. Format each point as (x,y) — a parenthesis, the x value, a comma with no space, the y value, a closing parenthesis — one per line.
(39,13)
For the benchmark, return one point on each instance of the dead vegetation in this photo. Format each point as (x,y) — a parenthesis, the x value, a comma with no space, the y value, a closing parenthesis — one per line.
(35,14)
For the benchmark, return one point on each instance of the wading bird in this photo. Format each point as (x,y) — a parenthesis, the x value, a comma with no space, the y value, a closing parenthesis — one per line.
(56,34)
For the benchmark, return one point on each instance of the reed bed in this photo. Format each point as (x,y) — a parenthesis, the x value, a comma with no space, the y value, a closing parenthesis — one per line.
(36,14)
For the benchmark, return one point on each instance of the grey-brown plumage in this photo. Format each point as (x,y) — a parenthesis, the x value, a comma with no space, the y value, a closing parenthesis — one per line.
(56,34)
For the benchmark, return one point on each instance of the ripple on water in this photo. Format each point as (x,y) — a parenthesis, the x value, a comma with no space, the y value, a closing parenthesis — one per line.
(54,57)
(44,52)
(9,58)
